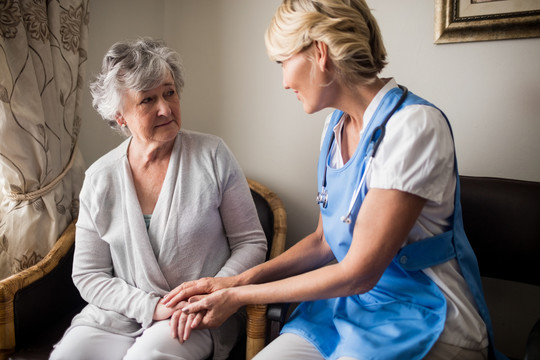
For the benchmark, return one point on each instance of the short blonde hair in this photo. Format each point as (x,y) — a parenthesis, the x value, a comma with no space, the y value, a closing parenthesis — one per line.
(347,27)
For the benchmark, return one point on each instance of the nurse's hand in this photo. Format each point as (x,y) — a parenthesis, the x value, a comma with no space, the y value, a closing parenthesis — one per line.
(196,287)
(217,308)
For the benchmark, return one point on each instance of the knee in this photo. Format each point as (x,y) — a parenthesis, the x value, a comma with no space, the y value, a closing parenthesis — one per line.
(87,343)
(156,343)
(152,344)
(68,349)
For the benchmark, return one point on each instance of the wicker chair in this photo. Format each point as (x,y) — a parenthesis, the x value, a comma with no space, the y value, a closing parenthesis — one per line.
(256,328)
(37,304)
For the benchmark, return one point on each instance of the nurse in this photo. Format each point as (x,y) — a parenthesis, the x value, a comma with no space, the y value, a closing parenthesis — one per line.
(405,283)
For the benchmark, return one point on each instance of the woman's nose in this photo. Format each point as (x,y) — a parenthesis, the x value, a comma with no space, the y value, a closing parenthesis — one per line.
(285,86)
(163,108)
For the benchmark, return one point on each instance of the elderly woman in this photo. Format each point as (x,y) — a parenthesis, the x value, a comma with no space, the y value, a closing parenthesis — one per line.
(405,283)
(165,207)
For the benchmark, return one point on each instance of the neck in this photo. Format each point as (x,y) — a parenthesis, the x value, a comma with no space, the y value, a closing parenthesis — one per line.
(146,155)
(355,100)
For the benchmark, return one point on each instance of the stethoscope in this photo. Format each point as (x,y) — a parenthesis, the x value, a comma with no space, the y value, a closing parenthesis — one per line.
(376,138)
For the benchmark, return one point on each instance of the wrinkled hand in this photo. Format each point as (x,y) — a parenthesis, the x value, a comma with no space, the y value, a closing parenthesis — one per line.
(182,324)
(161,312)
(196,287)
(208,311)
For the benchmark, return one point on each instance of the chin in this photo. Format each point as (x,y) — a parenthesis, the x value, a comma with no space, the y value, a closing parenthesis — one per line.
(311,110)
(307,109)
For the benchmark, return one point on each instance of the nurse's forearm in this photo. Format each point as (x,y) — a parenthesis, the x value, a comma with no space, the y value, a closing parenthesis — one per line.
(310,253)
(326,282)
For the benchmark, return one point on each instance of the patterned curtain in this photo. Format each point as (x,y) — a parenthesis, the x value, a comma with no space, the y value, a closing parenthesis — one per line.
(42,60)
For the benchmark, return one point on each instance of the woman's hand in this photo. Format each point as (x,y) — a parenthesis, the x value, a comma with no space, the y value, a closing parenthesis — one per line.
(182,324)
(163,312)
(196,287)
(204,311)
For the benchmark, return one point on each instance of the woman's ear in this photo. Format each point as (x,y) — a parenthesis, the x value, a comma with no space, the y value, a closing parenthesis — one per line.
(120,119)
(321,55)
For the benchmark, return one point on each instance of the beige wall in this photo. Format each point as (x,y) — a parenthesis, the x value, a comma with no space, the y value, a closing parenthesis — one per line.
(489,90)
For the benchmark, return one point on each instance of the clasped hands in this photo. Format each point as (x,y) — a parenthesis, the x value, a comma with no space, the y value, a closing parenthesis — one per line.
(199,304)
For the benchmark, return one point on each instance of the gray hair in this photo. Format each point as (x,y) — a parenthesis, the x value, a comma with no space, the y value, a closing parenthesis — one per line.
(137,65)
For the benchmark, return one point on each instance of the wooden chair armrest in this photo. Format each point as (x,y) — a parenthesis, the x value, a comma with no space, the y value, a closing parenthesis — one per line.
(255,329)
(258,318)
(279,213)
(11,285)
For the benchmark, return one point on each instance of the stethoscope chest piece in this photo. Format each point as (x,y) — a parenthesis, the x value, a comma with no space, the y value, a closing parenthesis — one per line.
(322,197)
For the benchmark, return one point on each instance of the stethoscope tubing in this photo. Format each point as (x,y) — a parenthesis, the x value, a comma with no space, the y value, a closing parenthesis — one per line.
(322,196)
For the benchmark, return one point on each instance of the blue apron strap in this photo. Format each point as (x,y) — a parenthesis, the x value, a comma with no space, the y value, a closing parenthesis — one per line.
(326,147)
(428,252)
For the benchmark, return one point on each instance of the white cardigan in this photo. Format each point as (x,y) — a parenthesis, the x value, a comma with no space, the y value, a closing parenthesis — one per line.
(204,224)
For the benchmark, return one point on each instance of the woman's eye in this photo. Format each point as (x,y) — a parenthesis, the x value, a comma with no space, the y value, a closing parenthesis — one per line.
(170,93)
(146,100)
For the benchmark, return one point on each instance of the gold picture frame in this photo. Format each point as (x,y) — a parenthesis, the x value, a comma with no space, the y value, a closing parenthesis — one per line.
(481,20)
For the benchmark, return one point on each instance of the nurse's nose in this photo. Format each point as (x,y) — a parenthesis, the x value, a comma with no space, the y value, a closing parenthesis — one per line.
(285,86)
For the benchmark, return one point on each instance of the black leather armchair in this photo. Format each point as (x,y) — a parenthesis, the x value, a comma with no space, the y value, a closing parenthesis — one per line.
(502,222)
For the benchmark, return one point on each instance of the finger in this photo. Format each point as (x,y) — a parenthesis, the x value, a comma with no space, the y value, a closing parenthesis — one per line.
(177,292)
(180,305)
(183,292)
(187,327)
(197,320)
(173,300)
(172,293)
(182,327)
(190,308)
(168,297)
(194,304)
(173,323)
(195,298)
(174,297)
